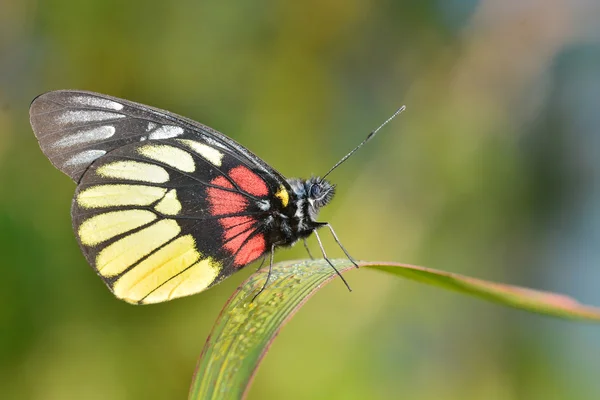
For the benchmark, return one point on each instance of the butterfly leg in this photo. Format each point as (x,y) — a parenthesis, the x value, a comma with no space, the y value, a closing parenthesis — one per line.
(329,261)
(268,274)
(342,247)
(262,262)
(307,249)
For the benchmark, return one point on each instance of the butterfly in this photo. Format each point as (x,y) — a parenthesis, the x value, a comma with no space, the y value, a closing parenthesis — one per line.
(166,207)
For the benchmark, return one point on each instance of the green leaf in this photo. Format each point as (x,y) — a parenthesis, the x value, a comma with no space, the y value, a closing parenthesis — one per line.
(244,331)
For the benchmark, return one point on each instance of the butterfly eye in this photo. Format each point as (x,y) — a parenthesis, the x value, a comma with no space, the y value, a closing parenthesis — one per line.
(315,191)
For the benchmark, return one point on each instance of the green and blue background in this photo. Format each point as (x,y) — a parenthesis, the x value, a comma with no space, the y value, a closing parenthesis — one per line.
(493,171)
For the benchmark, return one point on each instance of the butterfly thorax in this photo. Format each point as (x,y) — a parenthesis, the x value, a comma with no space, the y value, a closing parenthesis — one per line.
(300,220)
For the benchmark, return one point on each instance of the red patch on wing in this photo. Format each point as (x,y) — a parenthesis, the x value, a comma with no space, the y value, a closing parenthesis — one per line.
(222,201)
(222,181)
(248,181)
(250,251)
(235,243)
(230,222)
(236,225)
(236,231)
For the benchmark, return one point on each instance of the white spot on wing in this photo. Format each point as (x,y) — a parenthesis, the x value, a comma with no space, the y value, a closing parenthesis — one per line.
(134,171)
(165,132)
(97,102)
(92,135)
(213,142)
(85,157)
(210,154)
(169,155)
(151,125)
(71,117)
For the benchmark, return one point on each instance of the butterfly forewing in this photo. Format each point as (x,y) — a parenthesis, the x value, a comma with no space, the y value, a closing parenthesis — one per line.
(74,128)
(165,207)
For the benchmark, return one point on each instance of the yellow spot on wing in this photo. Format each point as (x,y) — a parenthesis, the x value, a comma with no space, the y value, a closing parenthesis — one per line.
(102,227)
(208,153)
(119,195)
(169,155)
(169,205)
(157,269)
(134,171)
(120,255)
(193,280)
(283,195)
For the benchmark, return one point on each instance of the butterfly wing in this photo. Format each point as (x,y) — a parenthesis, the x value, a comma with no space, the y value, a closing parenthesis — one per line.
(164,207)
(76,127)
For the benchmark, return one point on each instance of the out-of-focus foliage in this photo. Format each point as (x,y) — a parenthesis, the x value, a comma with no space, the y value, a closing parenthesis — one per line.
(492,171)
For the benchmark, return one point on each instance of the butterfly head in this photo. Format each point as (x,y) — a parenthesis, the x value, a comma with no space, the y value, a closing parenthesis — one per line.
(319,192)
(312,194)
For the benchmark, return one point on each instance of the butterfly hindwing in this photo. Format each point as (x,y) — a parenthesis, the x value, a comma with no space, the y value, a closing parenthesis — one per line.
(157,221)
(165,207)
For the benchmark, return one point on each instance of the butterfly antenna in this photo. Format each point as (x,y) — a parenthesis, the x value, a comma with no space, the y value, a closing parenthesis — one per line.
(369,137)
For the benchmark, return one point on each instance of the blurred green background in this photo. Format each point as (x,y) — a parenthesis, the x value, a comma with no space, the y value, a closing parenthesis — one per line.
(493,171)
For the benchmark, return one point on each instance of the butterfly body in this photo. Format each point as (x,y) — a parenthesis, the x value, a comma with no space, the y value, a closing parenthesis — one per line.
(164,206)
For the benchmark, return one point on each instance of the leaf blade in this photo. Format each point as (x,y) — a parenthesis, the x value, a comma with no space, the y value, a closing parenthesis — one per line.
(290,286)
(538,301)
(244,330)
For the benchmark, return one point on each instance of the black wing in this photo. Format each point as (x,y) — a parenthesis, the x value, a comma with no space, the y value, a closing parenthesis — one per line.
(74,128)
